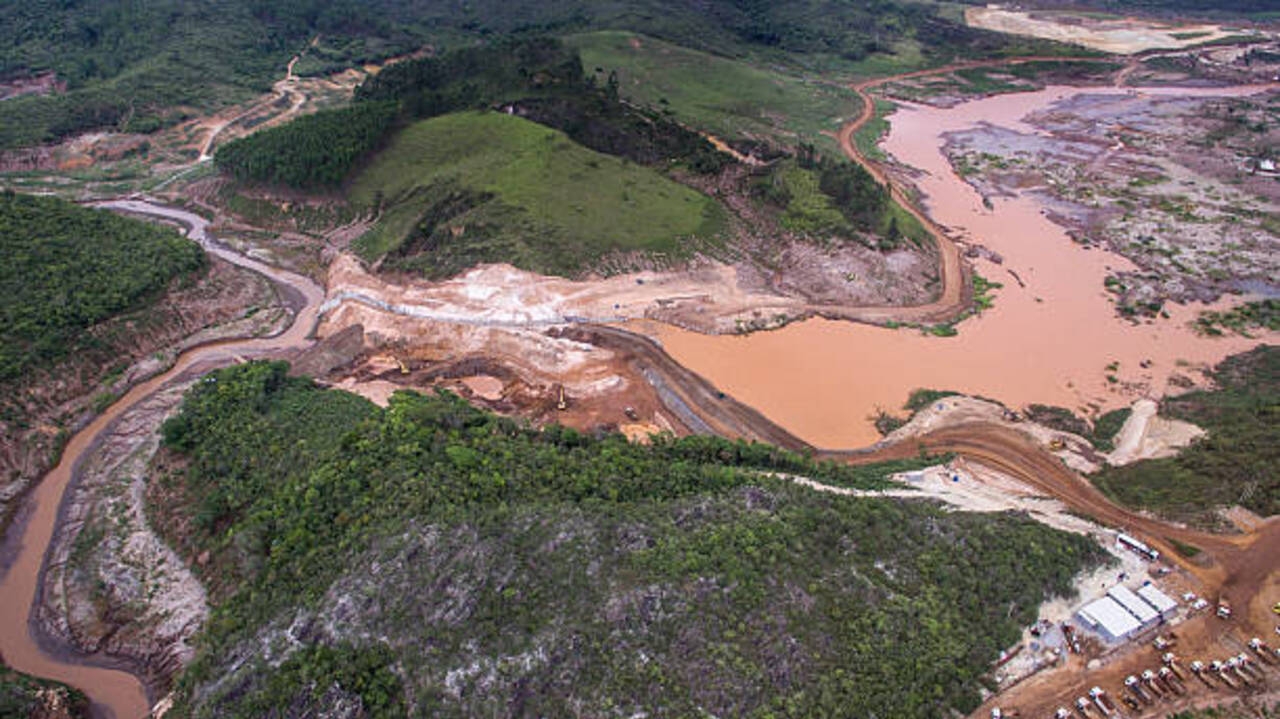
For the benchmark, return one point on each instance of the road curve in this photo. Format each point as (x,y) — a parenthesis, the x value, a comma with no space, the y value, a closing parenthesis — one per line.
(957,287)
(112,692)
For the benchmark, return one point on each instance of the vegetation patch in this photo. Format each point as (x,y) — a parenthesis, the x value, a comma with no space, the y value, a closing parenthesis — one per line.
(67,268)
(310,152)
(26,696)
(488,187)
(1256,315)
(1234,464)
(732,98)
(671,579)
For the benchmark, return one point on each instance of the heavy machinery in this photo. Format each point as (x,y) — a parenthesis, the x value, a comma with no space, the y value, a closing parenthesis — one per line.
(1170,660)
(1220,670)
(1246,664)
(1260,648)
(1224,609)
(1171,680)
(1151,682)
(1133,685)
(1062,713)
(1233,665)
(1103,701)
(1198,668)
(563,403)
(1082,706)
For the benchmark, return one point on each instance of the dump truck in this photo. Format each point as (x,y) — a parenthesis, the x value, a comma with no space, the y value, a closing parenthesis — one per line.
(1103,701)
(1198,668)
(1171,680)
(1133,685)
(1170,660)
(1260,648)
(1221,671)
(1151,682)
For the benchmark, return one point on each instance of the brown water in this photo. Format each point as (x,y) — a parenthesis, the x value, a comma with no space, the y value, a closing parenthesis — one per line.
(116,693)
(1050,342)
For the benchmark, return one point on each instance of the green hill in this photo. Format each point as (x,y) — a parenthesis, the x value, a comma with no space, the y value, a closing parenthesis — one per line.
(729,97)
(430,559)
(489,187)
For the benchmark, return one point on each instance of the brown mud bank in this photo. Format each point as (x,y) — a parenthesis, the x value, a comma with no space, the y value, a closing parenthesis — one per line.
(1053,336)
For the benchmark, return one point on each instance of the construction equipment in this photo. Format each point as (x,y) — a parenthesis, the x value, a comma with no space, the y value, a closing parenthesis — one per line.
(1220,670)
(1082,706)
(1171,680)
(1163,642)
(1233,665)
(563,403)
(1260,648)
(1198,668)
(631,413)
(1247,664)
(1131,702)
(1152,683)
(1057,445)
(1170,660)
(1131,683)
(404,368)
(1224,609)
(1062,713)
(1103,701)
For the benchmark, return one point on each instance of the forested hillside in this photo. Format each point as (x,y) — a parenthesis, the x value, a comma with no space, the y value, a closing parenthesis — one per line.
(68,267)
(432,559)
(133,65)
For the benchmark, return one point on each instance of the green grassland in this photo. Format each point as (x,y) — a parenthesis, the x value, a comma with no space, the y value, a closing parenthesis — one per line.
(436,560)
(1235,464)
(521,193)
(727,97)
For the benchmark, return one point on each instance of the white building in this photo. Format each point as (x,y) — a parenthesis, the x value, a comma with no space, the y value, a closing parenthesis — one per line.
(1143,612)
(1109,619)
(1160,601)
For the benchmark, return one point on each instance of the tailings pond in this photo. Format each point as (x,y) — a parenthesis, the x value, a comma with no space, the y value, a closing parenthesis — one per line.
(1055,341)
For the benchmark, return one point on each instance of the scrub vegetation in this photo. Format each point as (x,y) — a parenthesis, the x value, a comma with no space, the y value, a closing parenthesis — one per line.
(67,268)
(1235,464)
(433,559)
(25,696)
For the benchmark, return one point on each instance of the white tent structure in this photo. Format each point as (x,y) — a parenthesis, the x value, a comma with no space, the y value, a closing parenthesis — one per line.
(1109,619)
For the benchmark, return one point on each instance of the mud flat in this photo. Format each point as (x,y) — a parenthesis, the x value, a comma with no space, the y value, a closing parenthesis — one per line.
(1053,336)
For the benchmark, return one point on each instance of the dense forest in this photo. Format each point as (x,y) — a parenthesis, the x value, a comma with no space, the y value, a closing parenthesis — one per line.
(134,65)
(1235,464)
(536,77)
(312,151)
(431,559)
(68,267)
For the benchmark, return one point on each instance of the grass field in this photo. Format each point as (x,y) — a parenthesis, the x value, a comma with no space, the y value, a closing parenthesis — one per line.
(486,187)
(727,97)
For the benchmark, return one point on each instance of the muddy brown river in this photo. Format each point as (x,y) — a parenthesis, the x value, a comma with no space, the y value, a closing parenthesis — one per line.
(1050,342)
(115,693)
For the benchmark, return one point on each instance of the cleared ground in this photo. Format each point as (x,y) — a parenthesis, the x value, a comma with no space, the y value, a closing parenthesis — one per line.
(1123,36)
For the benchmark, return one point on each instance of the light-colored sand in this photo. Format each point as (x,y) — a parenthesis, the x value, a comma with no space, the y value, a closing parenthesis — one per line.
(1145,435)
(1123,36)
